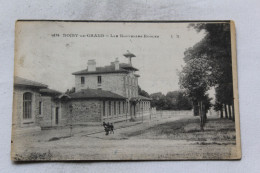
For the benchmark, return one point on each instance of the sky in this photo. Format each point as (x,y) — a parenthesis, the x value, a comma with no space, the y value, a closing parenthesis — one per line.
(49,59)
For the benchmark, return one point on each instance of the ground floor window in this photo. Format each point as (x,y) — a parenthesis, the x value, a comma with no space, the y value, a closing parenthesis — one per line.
(104,108)
(109,108)
(114,108)
(119,108)
(123,107)
(27,105)
(40,108)
(57,116)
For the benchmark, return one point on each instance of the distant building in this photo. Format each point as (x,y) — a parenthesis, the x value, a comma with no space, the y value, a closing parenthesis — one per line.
(108,93)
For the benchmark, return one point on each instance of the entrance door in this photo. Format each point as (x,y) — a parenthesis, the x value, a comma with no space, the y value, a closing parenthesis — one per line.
(57,116)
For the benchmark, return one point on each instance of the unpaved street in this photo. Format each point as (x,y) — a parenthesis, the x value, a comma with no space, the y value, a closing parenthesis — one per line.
(168,137)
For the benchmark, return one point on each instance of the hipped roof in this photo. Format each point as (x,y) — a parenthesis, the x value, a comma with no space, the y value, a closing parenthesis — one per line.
(48,91)
(18,81)
(95,94)
(139,98)
(123,68)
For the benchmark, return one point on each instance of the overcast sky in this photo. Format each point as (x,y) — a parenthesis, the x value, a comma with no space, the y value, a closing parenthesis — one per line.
(51,60)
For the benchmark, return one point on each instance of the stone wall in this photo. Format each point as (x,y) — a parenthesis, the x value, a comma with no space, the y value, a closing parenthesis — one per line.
(119,83)
(48,115)
(113,82)
(84,111)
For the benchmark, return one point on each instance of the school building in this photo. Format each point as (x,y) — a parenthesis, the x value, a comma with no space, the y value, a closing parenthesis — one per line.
(102,94)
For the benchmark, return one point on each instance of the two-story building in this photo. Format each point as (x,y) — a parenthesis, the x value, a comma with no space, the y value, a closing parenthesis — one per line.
(108,93)
(118,79)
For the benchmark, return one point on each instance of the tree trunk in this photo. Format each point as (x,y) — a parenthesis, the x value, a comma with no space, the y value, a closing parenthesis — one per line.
(195,108)
(201,117)
(226,114)
(233,111)
(229,112)
(204,114)
(221,112)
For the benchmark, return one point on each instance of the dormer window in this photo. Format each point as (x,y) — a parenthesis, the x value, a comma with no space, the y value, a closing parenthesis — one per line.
(82,79)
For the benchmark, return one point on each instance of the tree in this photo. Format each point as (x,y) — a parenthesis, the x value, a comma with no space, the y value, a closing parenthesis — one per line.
(208,64)
(159,101)
(178,101)
(173,100)
(70,91)
(142,92)
(194,77)
(216,46)
(224,97)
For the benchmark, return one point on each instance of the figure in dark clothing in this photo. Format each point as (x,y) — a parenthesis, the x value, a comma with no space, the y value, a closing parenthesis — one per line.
(111,128)
(106,128)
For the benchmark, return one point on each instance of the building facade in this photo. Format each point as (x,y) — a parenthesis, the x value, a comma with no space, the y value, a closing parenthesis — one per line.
(102,94)
(119,78)
(36,106)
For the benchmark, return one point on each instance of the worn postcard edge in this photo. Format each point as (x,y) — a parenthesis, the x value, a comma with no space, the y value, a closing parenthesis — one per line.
(234,75)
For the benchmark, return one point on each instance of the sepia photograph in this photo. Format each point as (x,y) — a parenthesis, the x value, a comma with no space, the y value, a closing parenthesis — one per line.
(125,90)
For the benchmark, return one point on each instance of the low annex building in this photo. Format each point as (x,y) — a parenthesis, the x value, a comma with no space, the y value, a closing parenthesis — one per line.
(35,105)
(108,93)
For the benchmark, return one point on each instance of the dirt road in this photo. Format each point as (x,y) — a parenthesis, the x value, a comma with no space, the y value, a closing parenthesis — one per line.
(173,138)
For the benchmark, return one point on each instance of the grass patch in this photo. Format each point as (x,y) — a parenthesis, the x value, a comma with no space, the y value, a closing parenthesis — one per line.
(34,156)
(216,131)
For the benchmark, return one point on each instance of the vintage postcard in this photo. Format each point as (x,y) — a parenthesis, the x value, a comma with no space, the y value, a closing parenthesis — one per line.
(125,90)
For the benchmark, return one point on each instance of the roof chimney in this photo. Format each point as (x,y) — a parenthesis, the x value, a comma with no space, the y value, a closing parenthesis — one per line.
(91,65)
(116,64)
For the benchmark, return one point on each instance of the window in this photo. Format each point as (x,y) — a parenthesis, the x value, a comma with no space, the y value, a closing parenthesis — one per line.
(114,108)
(57,116)
(99,80)
(123,107)
(119,106)
(109,107)
(104,108)
(82,80)
(27,105)
(40,108)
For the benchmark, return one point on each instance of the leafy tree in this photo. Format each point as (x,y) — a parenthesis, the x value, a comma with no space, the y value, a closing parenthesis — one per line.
(142,92)
(158,101)
(173,100)
(70,91)
(178,101)
(194,77)
(216,47)
(208,64)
